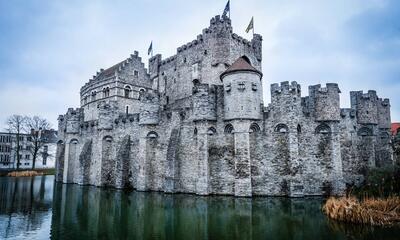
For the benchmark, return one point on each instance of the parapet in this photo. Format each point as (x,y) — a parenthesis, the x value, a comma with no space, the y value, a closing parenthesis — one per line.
(71,120)
(285,88)
(204,102)
(324,102)
(149,107)
(384,119)
(366,106)
(107,112)
(154,64)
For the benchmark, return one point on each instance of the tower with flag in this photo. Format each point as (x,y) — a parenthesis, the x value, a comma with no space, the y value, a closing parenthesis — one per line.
(227,10)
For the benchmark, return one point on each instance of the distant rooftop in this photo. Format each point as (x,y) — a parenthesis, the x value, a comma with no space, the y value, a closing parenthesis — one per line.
(395,128)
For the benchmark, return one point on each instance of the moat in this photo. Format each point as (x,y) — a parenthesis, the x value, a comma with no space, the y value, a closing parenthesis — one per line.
(39,208)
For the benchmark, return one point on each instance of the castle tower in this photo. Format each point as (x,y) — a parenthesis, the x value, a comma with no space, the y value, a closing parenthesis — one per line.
(242,91)
(325,102)
(149,108)
(242,105)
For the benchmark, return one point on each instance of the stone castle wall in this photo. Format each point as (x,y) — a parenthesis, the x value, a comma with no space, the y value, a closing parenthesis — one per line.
(190,131)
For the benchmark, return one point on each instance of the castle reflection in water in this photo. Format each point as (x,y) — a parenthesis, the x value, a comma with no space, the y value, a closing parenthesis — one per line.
(38,208)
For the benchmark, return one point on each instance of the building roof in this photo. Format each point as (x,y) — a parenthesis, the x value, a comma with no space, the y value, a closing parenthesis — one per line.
(111,70)
(395,128)
(242,64)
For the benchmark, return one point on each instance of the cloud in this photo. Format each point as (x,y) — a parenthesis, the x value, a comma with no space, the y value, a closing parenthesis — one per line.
(49,50)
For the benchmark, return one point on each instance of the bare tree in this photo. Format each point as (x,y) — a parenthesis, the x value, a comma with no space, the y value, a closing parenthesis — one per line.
(37,127)
(15,125)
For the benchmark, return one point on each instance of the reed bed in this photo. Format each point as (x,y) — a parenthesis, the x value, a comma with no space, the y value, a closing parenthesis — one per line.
(370,211)
(23,174)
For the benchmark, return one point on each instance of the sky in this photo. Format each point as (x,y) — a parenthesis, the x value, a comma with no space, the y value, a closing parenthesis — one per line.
(50,48)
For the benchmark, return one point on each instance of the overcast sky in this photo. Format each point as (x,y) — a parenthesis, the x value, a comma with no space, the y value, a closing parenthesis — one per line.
(49,49)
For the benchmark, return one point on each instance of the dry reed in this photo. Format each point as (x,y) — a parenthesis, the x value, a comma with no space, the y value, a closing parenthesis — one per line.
(23,174)
(371,211)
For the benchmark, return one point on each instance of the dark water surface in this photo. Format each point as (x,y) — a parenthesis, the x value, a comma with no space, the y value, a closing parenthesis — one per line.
(36,208)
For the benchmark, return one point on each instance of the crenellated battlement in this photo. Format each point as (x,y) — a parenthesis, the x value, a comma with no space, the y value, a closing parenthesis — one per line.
(366,105)
(149,108)
(285,88)
(324,102)
(204,102)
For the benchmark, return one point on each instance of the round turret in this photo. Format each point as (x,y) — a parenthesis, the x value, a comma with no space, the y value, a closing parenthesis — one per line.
(242,91)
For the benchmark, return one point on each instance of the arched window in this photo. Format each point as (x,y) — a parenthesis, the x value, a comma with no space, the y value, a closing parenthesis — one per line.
(74,141)
(195,131)
(106,92)
(384,136)
(254,127)
(364,131)
(281,128)
(152,134)
(127,91)
(322,129)
(93,95)
(127,110)
(211,131)
(108,139)
(228,128)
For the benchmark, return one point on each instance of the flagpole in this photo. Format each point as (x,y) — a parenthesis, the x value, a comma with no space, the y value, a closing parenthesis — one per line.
(253,25)
(229,9)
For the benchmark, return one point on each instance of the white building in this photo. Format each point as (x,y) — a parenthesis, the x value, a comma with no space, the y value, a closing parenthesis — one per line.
(45,156)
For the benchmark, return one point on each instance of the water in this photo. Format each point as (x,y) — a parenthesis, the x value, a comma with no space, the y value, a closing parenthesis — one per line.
(36,208)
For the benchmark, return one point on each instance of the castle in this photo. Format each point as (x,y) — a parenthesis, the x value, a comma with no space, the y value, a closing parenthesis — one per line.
(196,123)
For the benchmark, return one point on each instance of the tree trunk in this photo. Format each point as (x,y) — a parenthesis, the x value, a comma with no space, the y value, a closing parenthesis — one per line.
(34,159)
(17,151)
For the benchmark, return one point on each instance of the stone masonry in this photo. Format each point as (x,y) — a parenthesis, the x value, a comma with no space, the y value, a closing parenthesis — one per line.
(196,123)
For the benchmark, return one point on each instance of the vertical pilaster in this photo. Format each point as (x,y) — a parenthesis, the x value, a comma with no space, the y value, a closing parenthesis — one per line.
(202,185)
(141,178)
(243,186)
(296,183)
(337,176)
(66,164)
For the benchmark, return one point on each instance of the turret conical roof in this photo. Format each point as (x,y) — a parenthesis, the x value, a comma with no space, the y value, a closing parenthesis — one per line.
(241,64)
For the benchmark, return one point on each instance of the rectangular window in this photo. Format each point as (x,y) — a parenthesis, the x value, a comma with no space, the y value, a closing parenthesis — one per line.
(135,73)
(195,71)
(27,156)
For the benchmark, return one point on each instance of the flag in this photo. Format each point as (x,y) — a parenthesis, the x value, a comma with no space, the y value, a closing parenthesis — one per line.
(226,10)
(251,25)
(150,48)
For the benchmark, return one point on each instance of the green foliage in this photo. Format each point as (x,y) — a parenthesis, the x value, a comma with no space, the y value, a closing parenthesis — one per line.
(380,182)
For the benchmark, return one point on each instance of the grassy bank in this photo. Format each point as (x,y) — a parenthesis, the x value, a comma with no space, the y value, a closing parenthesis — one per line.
(375,202)
(370,211)
(27,173)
